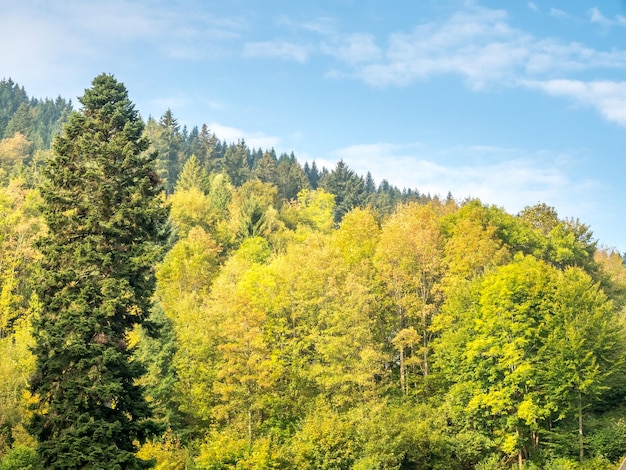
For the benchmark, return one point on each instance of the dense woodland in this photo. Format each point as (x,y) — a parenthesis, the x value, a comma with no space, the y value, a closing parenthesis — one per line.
(308,318)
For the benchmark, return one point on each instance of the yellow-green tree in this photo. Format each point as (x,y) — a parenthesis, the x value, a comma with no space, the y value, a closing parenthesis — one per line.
(409,259)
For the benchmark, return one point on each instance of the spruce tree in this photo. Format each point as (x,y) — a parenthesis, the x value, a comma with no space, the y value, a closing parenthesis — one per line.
(107,229)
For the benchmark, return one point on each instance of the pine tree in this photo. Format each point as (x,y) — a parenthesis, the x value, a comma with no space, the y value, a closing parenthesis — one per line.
(170,147)
(107,228)
(235,163)
(290,177)
(347,187)
(193,176)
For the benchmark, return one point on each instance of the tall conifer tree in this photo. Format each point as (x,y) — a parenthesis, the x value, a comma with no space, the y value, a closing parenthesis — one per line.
(107,229)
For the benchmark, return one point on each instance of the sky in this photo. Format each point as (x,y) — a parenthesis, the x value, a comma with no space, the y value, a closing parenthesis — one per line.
(515,103)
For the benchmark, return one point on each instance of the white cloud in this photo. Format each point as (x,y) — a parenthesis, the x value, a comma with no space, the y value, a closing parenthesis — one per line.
(65,42)
(477,44)
(279,49)
(255,139)
(325,26)
(608,97)
(481,46)
(532,6)
(596,16)
(354,48)
(558,13)
(510,178)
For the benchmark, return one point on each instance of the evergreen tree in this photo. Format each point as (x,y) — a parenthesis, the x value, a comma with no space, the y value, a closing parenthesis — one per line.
(192,143)
(312,173)
(290,177)
(170,147)
(107,228)
(265,169)
(11,97)
(21,121)
(193,176)
(235,163)
(347,187)
(207,154)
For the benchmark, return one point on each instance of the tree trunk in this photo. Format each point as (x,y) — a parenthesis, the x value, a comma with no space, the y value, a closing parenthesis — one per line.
(425,354)
(249,428)
(580,427)
(402,377)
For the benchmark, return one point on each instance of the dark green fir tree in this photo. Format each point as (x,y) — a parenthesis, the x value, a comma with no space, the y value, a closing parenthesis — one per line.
(107,229)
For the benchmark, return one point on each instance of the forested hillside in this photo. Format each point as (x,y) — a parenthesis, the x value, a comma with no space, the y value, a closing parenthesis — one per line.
(308,318)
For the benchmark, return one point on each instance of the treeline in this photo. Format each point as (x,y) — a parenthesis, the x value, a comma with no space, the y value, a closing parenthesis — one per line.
(38,120)
(28,125)
(176,145)
(309,319)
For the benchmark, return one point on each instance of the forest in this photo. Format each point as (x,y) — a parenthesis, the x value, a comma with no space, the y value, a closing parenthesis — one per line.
(308,318)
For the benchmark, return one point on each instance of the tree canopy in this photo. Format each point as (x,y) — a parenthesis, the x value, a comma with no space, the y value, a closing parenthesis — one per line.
(172,299)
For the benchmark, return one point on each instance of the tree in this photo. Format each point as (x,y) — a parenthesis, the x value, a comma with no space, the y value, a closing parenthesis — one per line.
(347,187)
(235,163)
(11,97)
(169,144)
(266,168)
(13,152)
(193,176)
(490,353)
(208,143)
(290,177)
(22,122)
(409,259)
(529,348)
(584,346)
(107,227)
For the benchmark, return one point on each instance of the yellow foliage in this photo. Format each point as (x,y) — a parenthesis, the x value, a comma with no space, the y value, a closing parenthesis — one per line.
(168,453)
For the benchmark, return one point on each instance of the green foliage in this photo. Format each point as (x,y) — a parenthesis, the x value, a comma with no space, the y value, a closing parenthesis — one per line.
(521,353)
(168,452)
(326,441)
(38,120)
(21,458)
(306,317)
(347,187)
(609,439)
(16,366)
(235,163)
(221,451)
(167,141)
(193,176)
(107,228)
(290,178)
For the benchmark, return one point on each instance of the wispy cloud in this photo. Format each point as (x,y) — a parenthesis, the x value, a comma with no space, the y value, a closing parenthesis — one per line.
(482,47)
(510,178)
(64,40)
(596,16)
(278,49)
(532,6)
(478,45)
(607,97)
(354,48)
(557,13)
(254,139)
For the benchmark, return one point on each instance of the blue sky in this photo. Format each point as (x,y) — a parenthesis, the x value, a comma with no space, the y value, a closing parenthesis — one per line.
(512,102)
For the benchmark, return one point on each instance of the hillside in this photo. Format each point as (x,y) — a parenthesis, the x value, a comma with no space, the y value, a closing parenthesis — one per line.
(308,318)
